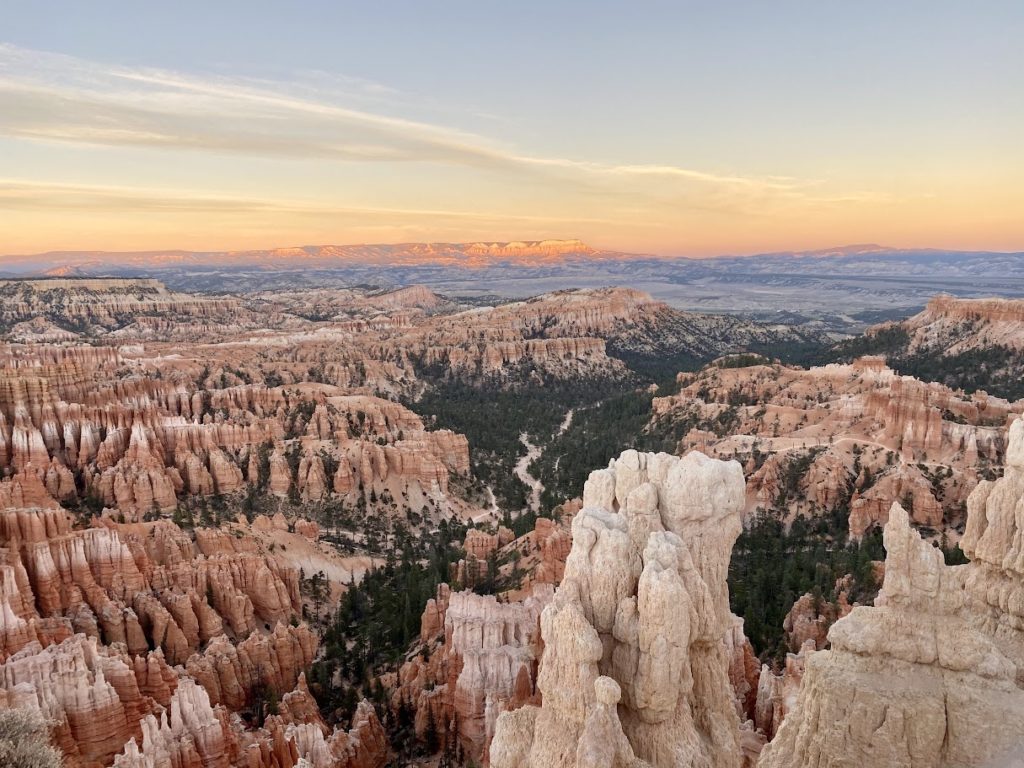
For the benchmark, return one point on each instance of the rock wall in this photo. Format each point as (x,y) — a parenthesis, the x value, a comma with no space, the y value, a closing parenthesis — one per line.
(970,323)
(635,669)
(485,664)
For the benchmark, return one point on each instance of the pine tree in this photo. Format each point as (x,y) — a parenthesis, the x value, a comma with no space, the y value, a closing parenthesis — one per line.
(430,741)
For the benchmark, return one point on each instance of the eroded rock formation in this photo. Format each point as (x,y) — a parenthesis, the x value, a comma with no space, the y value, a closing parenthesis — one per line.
(969,323)
(135,634)
(854,437)
(485,663)
(931,674)
(635,669)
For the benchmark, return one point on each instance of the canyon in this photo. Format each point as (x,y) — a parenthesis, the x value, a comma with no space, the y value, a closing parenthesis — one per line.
(235,534)
(177,467)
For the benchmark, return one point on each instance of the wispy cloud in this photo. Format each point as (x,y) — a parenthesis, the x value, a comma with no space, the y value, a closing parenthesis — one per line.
(52,97)
(16,194)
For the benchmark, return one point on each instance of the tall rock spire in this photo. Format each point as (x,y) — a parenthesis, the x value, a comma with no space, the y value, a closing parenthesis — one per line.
(634,670)
(931,675)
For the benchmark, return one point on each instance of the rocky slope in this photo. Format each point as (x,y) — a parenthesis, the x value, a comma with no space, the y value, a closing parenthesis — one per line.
(968,324)
(847,439)
(587,325)
(931,674)
(561,334)
(973,344)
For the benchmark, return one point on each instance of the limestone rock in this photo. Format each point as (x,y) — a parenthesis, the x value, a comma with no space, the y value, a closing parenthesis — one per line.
(642,613)
(930,675)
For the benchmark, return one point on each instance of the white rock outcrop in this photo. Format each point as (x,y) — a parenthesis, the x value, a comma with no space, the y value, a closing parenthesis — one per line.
(933,674)
(635,668)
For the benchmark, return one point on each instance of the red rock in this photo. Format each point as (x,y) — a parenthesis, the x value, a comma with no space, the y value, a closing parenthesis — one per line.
(486,664)
(856,435)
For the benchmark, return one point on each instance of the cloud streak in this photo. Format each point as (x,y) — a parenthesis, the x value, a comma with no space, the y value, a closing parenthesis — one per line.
(52,97)
(20,195)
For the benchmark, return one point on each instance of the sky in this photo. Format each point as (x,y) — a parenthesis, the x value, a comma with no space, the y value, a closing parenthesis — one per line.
(678,128)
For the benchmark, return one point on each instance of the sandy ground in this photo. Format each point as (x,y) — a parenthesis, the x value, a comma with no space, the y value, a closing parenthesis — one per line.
(299,552)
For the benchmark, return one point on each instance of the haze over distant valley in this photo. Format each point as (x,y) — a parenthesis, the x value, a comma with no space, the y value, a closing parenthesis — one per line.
(843,289)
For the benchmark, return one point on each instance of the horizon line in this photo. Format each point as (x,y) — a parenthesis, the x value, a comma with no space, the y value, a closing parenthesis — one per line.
(875,247)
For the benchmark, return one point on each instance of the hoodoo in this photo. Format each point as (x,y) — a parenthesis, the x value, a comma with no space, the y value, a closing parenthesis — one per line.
(931,675)
(635,670)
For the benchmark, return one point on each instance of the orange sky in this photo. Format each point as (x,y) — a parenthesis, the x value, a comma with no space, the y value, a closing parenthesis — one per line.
(676,133)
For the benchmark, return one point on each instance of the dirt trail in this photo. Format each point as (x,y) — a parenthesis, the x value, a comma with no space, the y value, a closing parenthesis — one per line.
(522,471)
(522,468)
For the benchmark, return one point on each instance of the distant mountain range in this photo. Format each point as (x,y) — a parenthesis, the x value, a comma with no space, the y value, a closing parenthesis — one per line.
(846,288)
(852,259)
(473,255)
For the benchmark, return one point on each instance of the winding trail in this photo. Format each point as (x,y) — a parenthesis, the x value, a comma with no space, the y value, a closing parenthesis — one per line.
(522,471)
(492,512)
(522,467)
